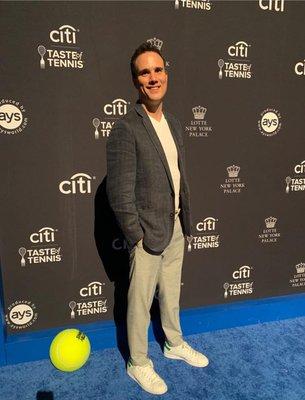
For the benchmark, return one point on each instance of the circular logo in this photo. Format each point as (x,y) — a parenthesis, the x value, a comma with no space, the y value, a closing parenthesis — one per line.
(12,117)
(21,314)
(270,122)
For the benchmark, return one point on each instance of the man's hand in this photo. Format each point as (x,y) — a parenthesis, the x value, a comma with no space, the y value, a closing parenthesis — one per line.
(121,177)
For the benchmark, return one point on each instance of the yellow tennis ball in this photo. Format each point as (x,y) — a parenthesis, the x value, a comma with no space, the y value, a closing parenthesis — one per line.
(69,350)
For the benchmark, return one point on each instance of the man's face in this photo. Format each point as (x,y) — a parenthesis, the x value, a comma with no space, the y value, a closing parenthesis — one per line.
(151,79)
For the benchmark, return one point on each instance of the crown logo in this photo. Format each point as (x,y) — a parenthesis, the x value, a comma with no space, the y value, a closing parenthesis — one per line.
(270,222)
(300,268)
(199,112)
(233,171)
(156,42)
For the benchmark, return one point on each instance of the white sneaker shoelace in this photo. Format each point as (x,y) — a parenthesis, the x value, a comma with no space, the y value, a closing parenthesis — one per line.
(185,352)
(147,378)
(149,373)
(190,350)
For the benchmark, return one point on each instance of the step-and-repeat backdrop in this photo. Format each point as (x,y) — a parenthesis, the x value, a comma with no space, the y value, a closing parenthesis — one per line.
(236,82)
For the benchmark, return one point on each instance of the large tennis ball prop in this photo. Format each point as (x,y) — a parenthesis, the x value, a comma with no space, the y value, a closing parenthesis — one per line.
(69,350)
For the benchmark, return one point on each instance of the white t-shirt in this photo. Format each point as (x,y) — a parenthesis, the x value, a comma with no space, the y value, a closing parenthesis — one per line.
(170,150)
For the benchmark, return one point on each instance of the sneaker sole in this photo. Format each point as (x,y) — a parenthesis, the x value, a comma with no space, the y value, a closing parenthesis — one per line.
(139,383)
(173,357)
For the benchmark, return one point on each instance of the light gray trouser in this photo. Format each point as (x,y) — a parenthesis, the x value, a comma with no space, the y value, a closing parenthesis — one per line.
(147,272)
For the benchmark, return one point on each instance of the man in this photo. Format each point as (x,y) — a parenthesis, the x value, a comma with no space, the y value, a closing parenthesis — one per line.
(148,192)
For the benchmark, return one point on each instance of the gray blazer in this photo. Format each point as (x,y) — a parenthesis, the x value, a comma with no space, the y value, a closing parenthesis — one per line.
(139,185)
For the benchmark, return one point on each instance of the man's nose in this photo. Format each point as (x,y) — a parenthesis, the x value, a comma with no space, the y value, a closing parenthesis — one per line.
(152,77)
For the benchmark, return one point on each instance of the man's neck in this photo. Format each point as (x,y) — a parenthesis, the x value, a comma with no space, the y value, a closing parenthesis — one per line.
(154,111)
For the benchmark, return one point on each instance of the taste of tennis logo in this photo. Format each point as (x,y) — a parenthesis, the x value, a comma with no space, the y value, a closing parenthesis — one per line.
(111,113)
(238,64)
(198,126)
(296,182)
(269,123)
(207,236)
(242,284)
(91,301)
(62,52)
(12,117)
(200,5)
(21,314)
(42,249)
(233,184)
(298,279)
(269,234)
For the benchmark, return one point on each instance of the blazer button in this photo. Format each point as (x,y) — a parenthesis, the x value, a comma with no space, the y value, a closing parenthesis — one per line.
(171,214)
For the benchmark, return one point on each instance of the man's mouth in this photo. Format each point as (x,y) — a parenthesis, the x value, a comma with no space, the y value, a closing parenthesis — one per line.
(153,87)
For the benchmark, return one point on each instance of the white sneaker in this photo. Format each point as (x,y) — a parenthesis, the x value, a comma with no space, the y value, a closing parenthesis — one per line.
(185,352)
(147,377)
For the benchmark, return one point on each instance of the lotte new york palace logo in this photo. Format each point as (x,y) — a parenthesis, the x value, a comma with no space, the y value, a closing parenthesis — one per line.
(198,126)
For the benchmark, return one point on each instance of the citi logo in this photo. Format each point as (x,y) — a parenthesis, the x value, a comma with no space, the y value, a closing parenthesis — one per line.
(242,273)
(78,183)
(117,107)
(300,168)
(44,235)
(272,5)
(208,224)
(93,289)
(119,244)
(239,49)
(64,34)
(299,68)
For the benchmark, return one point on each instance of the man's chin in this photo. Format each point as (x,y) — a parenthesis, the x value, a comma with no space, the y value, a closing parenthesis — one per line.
(152,101)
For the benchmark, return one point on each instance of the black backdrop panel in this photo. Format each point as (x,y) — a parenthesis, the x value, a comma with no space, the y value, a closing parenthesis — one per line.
(236,82)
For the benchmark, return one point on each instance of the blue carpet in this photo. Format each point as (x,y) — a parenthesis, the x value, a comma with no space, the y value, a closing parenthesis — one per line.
(261,362)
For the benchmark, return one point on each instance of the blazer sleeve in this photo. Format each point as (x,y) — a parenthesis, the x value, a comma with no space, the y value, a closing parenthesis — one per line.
(121,177)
